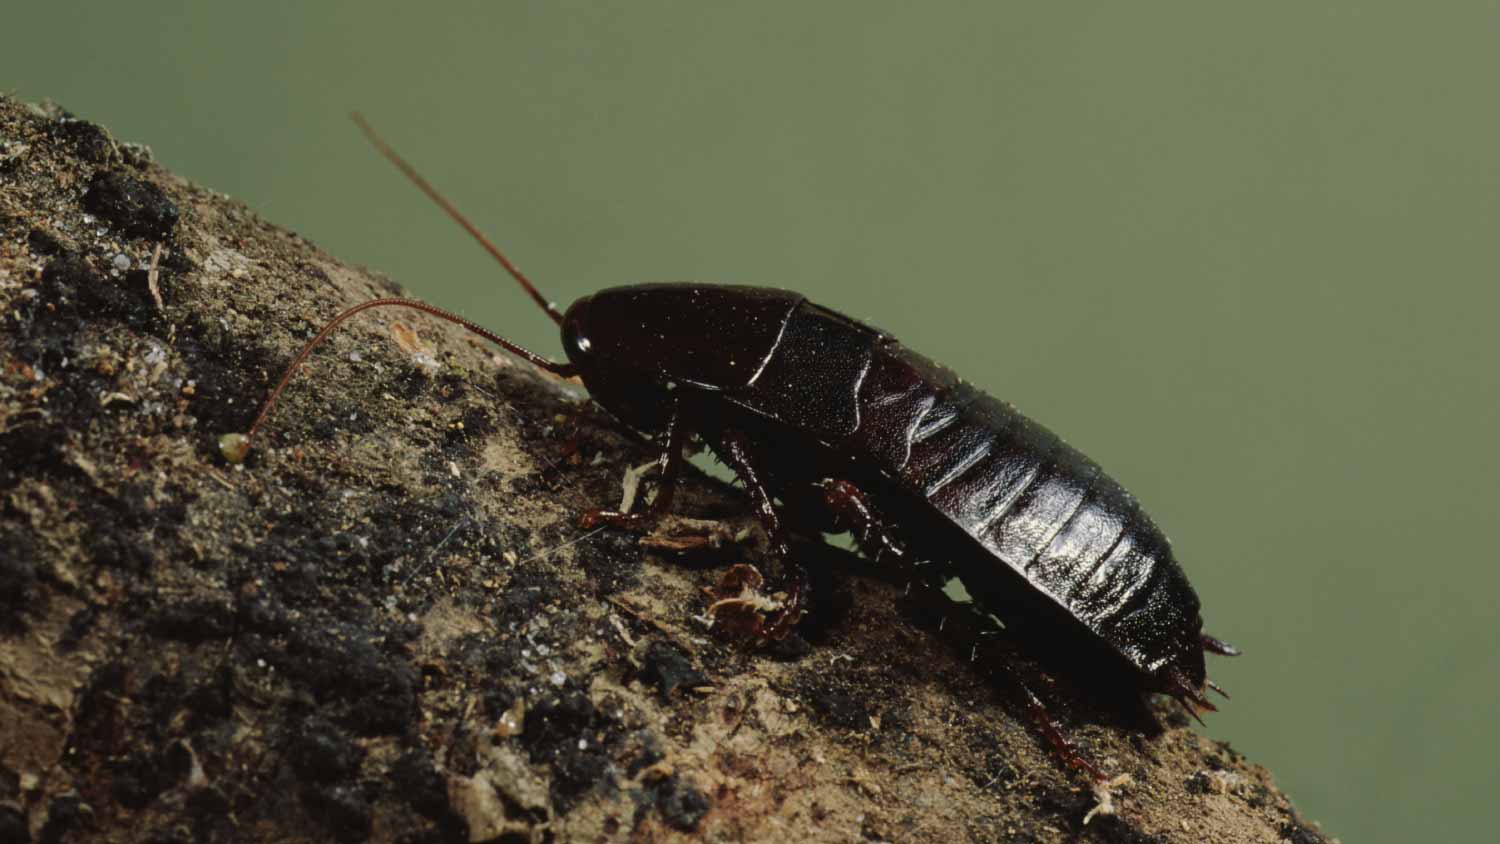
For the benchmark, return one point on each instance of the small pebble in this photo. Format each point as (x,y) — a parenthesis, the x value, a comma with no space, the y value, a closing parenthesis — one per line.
(122,262)
(558,678)
(234,447)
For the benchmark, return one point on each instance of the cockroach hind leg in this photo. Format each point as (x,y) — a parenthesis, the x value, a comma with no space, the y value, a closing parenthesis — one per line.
(1065,748)
(1219,646)
(1052,732)
(1217,688)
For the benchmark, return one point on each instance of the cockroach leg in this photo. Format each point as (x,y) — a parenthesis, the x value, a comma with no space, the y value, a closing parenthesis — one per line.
(971,630)
(670,463)
(1191,699)
(736,450)
(1061,744)
(1190,710)
(852,511)
(681,534)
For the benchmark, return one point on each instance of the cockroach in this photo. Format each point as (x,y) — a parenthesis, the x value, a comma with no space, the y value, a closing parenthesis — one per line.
(834,425)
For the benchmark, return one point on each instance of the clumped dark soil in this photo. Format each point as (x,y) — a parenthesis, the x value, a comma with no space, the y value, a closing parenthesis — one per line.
(385,625)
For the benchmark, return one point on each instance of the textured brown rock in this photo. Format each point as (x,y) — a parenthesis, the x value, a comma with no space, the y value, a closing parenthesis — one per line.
(385,624)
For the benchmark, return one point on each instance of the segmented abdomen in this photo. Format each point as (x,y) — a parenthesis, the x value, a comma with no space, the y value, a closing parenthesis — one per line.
(1035,503)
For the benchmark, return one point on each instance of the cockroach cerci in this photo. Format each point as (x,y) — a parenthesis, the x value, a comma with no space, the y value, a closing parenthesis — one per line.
(835,426)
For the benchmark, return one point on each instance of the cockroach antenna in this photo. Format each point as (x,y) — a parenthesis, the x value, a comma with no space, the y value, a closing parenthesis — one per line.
(442,202)
(236,446)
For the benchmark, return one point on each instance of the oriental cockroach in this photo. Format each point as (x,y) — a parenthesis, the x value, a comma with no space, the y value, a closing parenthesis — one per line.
(834,426)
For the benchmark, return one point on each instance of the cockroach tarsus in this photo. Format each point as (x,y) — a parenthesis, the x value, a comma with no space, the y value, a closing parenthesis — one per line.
(833,426)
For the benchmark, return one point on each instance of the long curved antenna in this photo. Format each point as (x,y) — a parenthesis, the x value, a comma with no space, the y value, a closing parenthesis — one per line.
(562,370)
(443,203)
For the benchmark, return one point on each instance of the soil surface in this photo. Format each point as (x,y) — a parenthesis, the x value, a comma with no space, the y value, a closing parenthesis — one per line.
(386,625)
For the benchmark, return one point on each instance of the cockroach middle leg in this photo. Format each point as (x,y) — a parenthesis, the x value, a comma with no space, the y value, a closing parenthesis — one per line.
(848,508)
(829,505)
(737,452)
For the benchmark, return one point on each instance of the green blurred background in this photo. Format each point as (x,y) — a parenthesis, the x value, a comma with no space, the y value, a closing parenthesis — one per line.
(1242,254)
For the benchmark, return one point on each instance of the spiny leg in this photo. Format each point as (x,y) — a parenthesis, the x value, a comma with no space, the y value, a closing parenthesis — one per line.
(962,626)
(670,466)
(1061,744)
(850,510)
(966,627)
(736,450)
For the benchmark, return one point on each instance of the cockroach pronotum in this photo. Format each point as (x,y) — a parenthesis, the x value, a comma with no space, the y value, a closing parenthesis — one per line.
(835,426)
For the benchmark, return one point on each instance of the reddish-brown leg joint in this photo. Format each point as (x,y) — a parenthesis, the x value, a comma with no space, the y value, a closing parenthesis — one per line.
(852,511)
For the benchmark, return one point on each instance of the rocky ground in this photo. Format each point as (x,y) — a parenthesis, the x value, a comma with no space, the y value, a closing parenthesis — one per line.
(385,624)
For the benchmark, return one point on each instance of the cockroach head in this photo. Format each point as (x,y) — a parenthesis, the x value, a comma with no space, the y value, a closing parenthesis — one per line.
(634,345)
(612,370)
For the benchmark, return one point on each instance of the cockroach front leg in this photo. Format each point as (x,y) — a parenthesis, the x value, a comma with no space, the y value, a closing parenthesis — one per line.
(670,466)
